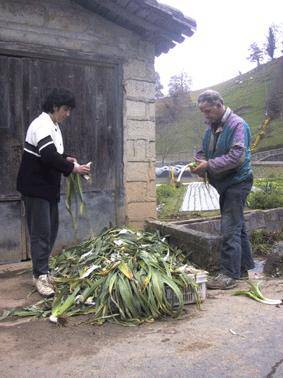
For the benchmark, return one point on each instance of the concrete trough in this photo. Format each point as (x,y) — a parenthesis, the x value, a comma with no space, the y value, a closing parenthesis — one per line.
(200,238)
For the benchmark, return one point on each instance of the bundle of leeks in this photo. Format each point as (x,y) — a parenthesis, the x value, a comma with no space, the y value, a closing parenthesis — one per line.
(189,167)
(75,197)
(121,276)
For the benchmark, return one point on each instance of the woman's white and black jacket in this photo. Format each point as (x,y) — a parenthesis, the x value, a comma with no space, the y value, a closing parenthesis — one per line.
(43,160)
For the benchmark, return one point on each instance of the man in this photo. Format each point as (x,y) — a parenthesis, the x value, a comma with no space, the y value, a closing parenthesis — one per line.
(225,158)
(38,181)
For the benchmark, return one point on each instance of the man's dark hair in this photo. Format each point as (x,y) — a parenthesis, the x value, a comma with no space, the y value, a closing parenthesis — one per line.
(58,97)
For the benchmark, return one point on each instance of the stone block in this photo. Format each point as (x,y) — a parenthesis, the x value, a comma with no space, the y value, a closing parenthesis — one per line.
(139,69)
(150,111)
(151,153)
(151,191)
(151,171)
(140,90)
(136,171)
(138,211)
(136,192)
(137,110)
(274,262)
(137,225)
(255,220)
(136,150)
(128,148)
(140,130)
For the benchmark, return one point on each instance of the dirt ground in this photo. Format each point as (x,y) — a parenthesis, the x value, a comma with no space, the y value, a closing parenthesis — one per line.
(229,337)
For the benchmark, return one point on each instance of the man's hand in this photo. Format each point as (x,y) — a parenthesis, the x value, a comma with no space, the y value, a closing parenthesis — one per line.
(201,167)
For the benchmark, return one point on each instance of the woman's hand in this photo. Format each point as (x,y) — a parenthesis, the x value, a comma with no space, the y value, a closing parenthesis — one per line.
(83,169)
(71,159)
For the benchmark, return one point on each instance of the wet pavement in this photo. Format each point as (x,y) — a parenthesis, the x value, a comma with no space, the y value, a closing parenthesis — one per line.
(230,336)
(257,272)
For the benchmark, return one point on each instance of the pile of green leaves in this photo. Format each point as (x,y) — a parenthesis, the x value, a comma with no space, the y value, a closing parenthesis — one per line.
(121,276)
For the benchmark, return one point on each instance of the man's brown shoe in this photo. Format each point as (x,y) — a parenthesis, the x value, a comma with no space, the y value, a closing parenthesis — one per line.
(221,282)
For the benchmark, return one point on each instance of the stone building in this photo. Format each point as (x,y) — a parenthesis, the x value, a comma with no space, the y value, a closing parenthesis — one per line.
(103,51)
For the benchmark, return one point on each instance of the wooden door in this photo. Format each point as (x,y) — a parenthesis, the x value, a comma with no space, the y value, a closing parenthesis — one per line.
(12,233)
(92,133)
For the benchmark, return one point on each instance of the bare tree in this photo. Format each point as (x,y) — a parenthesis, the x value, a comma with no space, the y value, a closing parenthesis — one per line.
(180,84)
(256,54)
(166,139)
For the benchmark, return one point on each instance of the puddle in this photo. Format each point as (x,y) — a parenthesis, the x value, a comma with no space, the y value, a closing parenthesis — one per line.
(259,265)
(257,272)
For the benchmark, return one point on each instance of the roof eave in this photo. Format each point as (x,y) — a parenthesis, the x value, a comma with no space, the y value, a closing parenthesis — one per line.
(160,24)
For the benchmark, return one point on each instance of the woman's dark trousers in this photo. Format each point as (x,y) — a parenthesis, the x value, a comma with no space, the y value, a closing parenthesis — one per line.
(42,222)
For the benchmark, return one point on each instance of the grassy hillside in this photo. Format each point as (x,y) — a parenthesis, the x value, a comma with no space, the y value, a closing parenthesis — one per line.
(180,124)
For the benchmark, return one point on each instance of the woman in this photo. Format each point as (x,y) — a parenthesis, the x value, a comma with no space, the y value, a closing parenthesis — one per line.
(38,181)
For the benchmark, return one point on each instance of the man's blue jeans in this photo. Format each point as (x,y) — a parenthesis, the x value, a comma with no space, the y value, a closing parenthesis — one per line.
(235,254)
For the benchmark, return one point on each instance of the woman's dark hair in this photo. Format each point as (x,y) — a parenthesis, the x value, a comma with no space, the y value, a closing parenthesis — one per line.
(58,97)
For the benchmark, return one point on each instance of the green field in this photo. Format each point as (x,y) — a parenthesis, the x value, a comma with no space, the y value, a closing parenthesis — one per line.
(248,95)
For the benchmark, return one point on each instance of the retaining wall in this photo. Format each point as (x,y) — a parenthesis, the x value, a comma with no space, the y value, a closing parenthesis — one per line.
(200,239)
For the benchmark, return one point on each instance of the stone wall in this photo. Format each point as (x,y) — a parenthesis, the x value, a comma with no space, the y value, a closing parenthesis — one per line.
(139,141)
(66,26)
(200,239)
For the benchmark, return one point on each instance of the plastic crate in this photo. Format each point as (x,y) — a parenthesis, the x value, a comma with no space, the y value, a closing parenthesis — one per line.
(189,296)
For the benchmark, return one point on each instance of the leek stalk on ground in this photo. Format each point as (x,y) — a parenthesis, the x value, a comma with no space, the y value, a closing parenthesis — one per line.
(255,293)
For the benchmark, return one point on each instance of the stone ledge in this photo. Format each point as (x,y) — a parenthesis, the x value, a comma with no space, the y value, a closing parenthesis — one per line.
(200,239)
